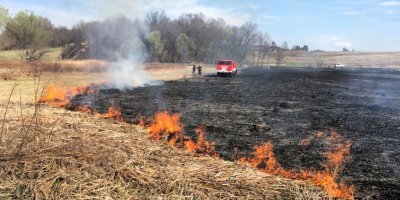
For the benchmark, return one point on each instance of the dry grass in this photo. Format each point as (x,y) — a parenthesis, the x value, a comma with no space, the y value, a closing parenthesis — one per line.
(78,156)
(51,153)
(60,66)
(353,59)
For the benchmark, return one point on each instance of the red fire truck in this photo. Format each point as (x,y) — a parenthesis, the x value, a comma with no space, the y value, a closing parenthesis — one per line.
(227,67)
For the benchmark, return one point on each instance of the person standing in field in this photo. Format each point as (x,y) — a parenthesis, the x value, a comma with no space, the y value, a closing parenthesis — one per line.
(194,69)
(199,69)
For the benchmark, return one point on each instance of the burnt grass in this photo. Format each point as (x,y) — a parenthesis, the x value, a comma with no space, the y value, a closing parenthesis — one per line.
(284,106)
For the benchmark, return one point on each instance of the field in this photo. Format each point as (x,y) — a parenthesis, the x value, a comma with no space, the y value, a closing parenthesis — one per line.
(284,106)
(51,153)
(349,59)
(305,114)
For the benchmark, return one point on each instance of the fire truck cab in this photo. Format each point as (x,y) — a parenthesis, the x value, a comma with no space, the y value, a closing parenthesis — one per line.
(226,67)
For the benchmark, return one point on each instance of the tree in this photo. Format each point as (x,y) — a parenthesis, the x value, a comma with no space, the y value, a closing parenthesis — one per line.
(280,53)
(285,45)
(247,34)
(280,56)
(265,48)
(184,47)
(4,17)
(31,33)
(156,45)
(305,48)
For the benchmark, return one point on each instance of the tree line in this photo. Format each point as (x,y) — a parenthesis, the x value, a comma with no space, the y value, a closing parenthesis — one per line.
(188,38)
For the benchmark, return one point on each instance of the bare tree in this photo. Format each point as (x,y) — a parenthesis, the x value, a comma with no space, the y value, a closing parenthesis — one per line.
(265,48)
(247,35)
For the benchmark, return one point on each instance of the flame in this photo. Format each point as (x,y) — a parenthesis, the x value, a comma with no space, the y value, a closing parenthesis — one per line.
(202,145)
(113,113)
(169,127)
(265,160)
(55,96)
(60,97)
(164,125)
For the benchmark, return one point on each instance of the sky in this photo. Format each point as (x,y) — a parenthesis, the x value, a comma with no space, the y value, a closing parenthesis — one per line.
(363,25)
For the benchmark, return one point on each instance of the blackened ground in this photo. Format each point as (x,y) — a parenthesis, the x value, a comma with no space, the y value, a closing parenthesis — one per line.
(284,106)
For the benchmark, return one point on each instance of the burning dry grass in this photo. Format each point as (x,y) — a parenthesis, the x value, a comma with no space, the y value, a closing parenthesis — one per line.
(168,127)
(50,153)
(78,156)
(336,152)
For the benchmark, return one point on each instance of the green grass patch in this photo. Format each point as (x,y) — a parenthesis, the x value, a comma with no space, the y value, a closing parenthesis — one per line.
(15,55)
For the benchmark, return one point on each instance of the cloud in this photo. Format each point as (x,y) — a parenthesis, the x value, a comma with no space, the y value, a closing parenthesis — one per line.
(339,42)
(390,3)
(390,12)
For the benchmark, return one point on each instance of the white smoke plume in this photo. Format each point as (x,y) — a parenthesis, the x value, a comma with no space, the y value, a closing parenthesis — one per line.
(119,40)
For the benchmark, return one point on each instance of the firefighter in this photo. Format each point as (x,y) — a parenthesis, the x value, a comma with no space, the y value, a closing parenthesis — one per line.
(199,69)
(194,69)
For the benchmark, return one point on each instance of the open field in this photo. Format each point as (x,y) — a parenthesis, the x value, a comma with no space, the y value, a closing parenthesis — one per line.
(349,59)
(50,62)
(52,153)
(285,107)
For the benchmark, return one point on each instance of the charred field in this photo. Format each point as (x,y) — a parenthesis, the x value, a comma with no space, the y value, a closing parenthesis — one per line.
(283,106)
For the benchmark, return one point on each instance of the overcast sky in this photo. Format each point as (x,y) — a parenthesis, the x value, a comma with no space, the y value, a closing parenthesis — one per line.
(363,25)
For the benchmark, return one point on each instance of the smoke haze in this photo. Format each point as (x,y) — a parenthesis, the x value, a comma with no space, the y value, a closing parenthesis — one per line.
(118,40)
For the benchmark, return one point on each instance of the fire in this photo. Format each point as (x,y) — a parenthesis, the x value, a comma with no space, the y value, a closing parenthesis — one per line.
(60,97)
(55,96)
(265,160)
(113,113)
(166,125)
(202,145)
(169,127)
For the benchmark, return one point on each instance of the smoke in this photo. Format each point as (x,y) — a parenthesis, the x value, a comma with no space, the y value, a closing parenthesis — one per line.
(120,41)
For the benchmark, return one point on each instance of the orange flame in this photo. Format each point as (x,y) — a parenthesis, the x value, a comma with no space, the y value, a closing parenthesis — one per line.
(265,160)
(201,146)
(61,97)
(55,96)
(165,125)
(113,113)
(169,127)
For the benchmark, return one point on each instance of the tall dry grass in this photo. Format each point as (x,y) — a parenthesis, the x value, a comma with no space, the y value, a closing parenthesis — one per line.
(61,66)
